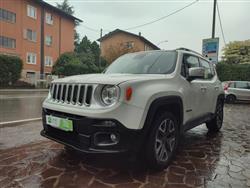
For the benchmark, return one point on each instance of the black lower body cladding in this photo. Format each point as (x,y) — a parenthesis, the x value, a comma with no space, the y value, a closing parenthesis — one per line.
(91,135)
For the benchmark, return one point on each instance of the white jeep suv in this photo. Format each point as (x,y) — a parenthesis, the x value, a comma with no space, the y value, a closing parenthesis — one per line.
(141,103)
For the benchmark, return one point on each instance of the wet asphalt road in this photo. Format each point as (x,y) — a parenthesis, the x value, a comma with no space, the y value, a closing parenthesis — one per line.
(20,105)
(203,160)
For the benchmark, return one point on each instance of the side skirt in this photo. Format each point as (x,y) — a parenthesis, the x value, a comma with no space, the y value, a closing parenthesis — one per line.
(196,122)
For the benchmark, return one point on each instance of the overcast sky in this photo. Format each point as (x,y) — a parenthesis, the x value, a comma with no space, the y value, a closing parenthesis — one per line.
(184,29)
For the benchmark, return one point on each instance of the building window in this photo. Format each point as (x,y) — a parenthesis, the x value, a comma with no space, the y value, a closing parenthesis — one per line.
(7,16)
(30,35)
(49,18)
(31,11)
(48,61)
(30,75)
(6,42)
(48,40)
(129,45)
(31,58)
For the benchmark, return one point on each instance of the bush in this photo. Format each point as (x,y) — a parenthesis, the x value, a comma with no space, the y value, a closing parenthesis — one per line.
(19,84)
(72,63)
(239,72)
(10,69)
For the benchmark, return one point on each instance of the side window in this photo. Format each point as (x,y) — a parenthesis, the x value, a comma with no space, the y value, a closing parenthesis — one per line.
(231,85)
(188,61)
(208,72)
(241,85)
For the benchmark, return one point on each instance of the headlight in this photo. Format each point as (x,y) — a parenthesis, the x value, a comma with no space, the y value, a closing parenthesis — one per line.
(109,95)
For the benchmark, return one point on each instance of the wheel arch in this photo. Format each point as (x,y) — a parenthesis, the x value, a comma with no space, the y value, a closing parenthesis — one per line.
(173,104)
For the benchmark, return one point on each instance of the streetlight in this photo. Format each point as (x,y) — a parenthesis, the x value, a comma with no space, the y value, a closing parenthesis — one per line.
(162,42)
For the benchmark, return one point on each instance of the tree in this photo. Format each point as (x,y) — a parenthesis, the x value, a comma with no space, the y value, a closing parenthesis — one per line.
(84,46)
(10,69)
(72,63)
(237,52)
(85,59)
(88,47)
(65,6)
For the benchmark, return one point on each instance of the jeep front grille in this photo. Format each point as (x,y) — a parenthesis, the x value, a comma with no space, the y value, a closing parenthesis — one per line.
(76,94)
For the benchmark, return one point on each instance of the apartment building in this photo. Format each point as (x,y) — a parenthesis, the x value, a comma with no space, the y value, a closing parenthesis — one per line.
(119,42)
(37,32)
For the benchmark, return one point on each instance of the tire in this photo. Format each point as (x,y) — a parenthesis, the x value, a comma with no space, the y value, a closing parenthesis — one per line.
(215,124)
(69,149)
(231,99)
(163,141)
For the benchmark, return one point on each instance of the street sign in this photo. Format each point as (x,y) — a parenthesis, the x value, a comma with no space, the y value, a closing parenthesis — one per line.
(210,49)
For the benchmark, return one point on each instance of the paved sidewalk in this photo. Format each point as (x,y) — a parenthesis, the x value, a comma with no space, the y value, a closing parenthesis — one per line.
(203,160)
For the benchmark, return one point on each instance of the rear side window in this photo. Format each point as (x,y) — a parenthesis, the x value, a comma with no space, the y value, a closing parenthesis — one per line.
(208,71)
(242,85)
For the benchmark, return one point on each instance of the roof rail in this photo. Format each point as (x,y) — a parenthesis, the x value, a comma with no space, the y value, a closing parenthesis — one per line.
(186,49)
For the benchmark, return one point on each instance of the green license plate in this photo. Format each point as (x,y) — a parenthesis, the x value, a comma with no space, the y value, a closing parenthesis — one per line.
(59,123)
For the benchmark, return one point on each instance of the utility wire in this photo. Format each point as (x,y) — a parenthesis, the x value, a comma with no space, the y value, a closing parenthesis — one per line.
(222,31)
(91,29)
(148,23)
(163,17)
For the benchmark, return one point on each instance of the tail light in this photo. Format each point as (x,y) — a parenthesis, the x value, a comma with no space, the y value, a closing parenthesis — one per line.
(226,87)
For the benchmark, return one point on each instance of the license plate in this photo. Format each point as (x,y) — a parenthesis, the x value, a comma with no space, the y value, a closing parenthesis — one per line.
(59,123)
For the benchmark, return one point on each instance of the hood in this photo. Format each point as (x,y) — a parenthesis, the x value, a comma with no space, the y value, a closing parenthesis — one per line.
(113,79)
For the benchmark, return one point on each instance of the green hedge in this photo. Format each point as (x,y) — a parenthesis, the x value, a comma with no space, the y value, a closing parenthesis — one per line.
(10,69)
(71,63)
(228,72)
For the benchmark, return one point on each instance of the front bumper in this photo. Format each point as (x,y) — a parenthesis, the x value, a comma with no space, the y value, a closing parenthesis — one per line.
(85,133)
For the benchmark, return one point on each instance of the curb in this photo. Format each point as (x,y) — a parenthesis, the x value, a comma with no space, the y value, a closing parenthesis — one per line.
(18,122)
(23,90)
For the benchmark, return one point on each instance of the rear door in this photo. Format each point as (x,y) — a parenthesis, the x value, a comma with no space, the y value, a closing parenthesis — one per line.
(242,90)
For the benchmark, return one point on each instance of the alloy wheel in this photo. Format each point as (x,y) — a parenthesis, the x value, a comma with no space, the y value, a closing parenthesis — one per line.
(165,140)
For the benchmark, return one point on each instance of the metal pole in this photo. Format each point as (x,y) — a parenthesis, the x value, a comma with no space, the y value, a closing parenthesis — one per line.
(100,51)
(214,16)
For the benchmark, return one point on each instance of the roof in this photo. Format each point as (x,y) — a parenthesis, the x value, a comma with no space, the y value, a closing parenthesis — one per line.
(128,33)
(59,11)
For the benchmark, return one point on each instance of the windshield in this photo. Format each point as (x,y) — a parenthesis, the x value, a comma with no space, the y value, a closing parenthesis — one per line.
(151,62)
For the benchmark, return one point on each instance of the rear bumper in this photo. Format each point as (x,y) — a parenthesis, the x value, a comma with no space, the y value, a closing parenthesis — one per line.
(86,133)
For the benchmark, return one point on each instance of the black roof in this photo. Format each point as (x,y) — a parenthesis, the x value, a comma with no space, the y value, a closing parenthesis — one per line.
(121,31)
(59,11)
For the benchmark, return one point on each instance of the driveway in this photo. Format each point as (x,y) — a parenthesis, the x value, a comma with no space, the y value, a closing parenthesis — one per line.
(203,160)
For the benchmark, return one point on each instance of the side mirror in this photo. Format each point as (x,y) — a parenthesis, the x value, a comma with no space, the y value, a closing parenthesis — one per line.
(196,72)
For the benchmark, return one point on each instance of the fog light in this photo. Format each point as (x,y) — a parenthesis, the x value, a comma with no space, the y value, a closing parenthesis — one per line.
(113,137)
(106,139)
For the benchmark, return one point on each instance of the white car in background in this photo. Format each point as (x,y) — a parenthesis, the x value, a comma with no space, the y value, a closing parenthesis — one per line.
(237,90)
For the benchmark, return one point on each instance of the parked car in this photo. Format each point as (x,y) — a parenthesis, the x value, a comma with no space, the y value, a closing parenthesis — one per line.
(237,90)
(143,102)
